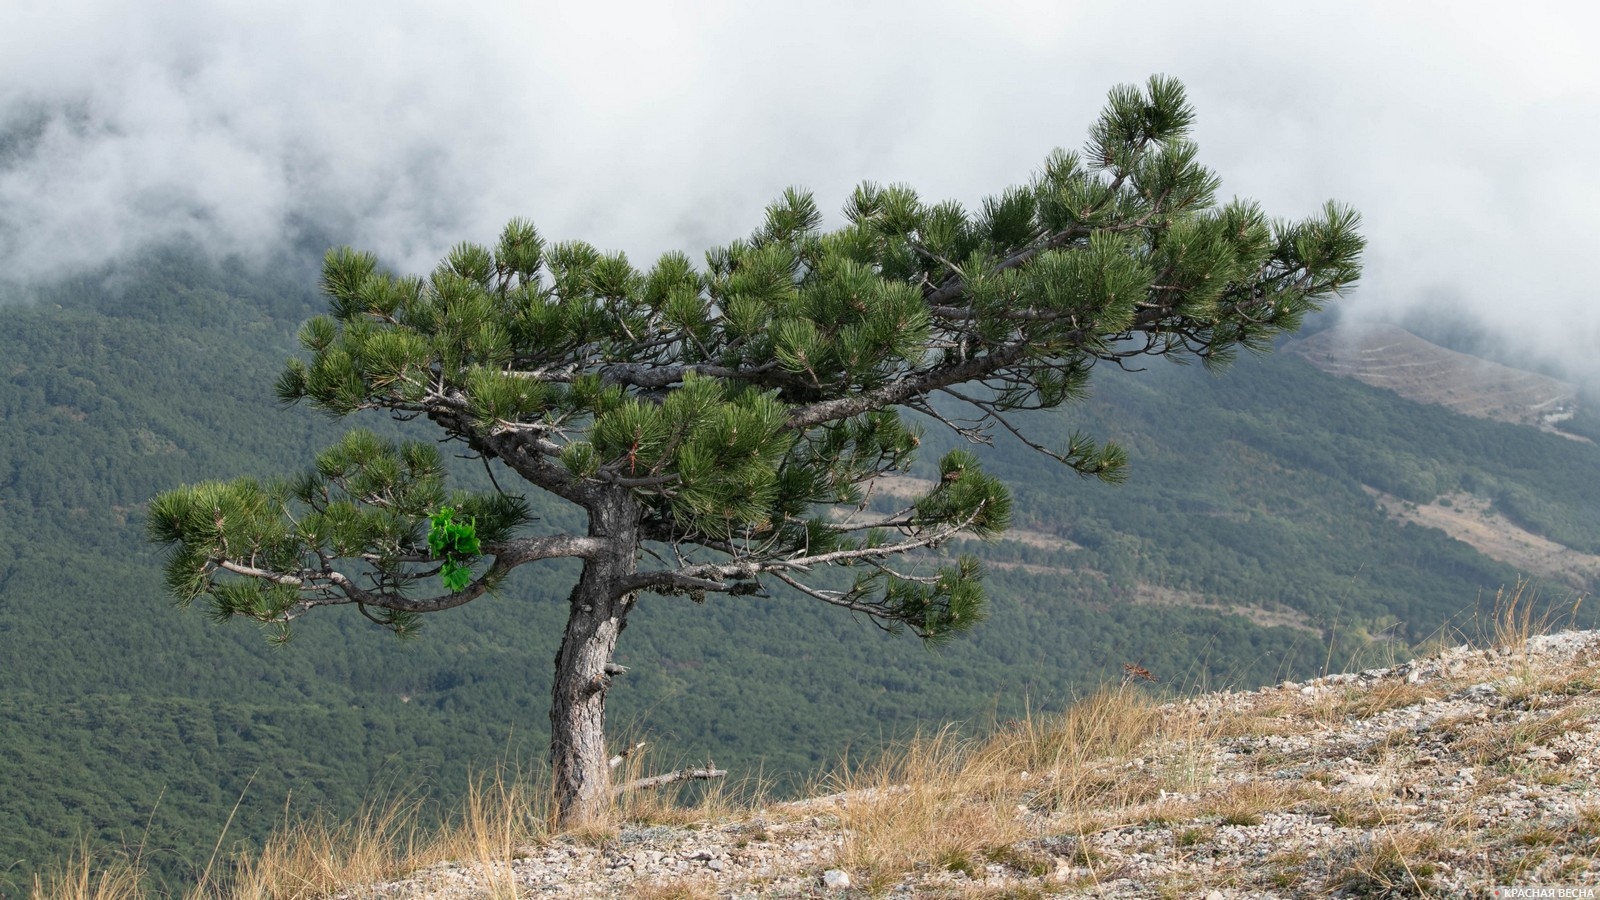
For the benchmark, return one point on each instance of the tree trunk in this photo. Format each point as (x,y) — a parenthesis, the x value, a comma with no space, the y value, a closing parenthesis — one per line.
(578,759)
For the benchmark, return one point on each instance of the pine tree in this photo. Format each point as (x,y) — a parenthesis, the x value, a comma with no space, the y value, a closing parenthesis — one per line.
(721,426)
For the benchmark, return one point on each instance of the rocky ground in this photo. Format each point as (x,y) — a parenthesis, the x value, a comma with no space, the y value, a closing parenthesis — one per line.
(1444,776)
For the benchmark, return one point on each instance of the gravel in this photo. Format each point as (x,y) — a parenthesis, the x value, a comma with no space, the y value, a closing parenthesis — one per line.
(1442,776)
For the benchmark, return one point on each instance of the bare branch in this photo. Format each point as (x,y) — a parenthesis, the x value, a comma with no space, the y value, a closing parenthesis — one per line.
(901,519)
(680,581)
(330,587)
(656,781)
(834,598)
(620,757)
(737,577)
(516,551)
(916,384)
(263,574)
(643,375)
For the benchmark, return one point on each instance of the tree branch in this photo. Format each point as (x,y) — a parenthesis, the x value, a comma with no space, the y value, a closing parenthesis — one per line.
(644,375)
(263,574)
(517,551)
(736,577)
(915,385)
(656,781)
(620,757)
(507,556)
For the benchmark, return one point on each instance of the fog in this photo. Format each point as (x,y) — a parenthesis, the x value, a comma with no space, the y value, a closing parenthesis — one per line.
(1462,131)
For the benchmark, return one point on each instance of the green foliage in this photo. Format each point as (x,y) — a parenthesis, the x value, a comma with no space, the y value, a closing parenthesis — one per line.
(735,404)
(264,551)
(948,604)
(457,544)
(966,495)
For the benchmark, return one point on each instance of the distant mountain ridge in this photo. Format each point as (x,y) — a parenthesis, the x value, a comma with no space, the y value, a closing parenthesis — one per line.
(1388,356)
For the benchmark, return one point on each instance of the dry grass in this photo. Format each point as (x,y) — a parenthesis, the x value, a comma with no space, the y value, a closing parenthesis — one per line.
(1514,616)
(1114,749)
(305,859)
(682,804)
(1008,892)
(1286,868)
(1107,725)
(316,858)
(504,812)
(1588,822)
(1031,863)
(934,802)
(1242,804)
(499,816)
(1384,696)
(1295,714)
(1519,615)
(1497,743)
(1277,716)
(950,803)
(940,802)
(675,889)
(1347,811)
(82,877)
(1394,864)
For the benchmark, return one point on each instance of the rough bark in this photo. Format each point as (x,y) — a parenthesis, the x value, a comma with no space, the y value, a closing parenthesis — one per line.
(599,608)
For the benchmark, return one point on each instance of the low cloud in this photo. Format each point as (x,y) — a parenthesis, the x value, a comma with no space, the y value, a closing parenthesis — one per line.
(1460,130)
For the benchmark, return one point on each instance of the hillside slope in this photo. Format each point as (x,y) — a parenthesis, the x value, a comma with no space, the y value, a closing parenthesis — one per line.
(1443,776)
(1246,548)
(1388,356)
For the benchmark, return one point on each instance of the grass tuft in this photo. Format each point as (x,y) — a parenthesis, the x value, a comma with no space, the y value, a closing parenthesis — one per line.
(1393,865)
(83,876)
(678,889)
(316,858)
(936,800)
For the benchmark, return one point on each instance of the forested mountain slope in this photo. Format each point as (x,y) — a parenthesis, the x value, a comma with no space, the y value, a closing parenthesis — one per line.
(1387,356)
(1246,548)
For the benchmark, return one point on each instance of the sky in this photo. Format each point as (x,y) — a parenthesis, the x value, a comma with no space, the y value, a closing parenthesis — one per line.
(1464,132)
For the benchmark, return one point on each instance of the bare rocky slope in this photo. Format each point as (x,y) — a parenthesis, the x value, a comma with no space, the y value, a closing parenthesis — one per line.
(1443,776)
(1388,356)
(1474,521)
